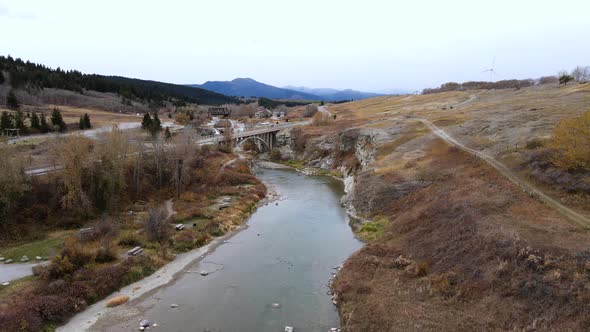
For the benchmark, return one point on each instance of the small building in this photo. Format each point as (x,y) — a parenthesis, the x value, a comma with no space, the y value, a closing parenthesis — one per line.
(219,111)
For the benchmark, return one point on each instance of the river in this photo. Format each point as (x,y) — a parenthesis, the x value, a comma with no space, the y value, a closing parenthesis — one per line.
(272,274)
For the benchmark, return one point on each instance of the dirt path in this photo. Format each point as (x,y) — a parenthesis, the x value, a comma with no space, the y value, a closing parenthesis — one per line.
(471,98)
(323,109)
(169,209)
(506,172)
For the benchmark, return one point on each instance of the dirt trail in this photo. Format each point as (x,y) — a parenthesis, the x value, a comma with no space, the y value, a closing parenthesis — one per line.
(169,209)
(506,172)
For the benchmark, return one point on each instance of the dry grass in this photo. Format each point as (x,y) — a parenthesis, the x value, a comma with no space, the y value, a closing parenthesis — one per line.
(117,301)
(454,257)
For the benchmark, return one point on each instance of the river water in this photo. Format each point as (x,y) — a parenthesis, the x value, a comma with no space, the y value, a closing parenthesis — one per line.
(271,275)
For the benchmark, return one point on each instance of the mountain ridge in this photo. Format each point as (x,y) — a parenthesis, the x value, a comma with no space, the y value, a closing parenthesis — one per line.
(248,87)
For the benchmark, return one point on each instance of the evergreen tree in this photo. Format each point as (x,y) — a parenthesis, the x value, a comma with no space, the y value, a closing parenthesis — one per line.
(87,123)
(11,101)
(57,120)
(43,126)
(146,123)
(35,121)
(81,124)
(156,125)
(5,121)
(167,134)
(1,77)
(19,122)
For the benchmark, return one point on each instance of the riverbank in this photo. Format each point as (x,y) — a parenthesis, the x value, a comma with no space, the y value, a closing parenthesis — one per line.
(264,279)
(166,275)
(90,266)
(141,289)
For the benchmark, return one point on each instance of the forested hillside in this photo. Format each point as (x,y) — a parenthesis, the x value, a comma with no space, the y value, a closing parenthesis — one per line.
(21,74)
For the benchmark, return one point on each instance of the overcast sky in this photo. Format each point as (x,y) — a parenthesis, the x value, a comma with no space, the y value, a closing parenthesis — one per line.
(367,45)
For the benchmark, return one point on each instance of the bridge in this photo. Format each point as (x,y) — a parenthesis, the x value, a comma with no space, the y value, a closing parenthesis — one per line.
(265,136)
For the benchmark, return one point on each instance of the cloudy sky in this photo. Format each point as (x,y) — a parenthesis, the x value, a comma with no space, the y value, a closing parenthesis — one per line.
(368,45)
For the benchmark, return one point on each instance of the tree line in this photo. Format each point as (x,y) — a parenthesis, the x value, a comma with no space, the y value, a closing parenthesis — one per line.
(578,74)
(25,74)
(33,122)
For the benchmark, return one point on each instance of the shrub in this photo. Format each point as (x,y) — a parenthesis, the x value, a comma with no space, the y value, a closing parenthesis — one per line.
(421,269)
(275,155)
(534,143)
(60,267)
(106,253)
(321,119)
(131,239)
(571,141)
(184,240)
(77,254)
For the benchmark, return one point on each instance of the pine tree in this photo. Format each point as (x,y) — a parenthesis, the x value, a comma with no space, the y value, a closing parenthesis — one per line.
(43,126)
(19,122)
(11,101)
(87,123)
(146,123)
(156,125)
(5,121)
(57,120)
(35,121)
(81,124)
(1,77)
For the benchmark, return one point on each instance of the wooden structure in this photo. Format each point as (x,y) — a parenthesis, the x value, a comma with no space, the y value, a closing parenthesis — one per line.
(12,132)
(219,111)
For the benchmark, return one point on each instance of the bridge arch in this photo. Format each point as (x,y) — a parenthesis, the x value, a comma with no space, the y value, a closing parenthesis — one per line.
(255,138)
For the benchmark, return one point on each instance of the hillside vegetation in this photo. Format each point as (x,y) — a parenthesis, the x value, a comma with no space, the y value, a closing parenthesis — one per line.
(452,243)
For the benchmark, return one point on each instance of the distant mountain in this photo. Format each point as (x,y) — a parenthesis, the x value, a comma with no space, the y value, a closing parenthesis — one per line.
(334,95)
(248,87)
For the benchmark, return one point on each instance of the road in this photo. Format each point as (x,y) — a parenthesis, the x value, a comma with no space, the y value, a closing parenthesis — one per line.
(506,172)
(9,272)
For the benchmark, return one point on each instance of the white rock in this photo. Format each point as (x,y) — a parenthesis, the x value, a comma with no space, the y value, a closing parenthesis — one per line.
(204,273)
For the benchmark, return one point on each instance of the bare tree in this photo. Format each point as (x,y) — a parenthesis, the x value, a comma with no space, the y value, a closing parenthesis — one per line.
(310,110)
(184,150)
(155,225)
(12,181)
(109,180)
(581,74)
(73,153)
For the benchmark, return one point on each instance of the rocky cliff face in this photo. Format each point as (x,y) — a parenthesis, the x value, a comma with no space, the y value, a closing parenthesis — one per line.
(348,153)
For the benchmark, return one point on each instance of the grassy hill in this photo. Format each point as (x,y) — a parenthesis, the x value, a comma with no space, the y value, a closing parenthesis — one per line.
(454,243)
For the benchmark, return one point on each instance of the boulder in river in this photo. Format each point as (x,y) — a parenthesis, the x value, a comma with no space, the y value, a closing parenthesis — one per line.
(144,323)
(25,258)
(204,273)
(8,261)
